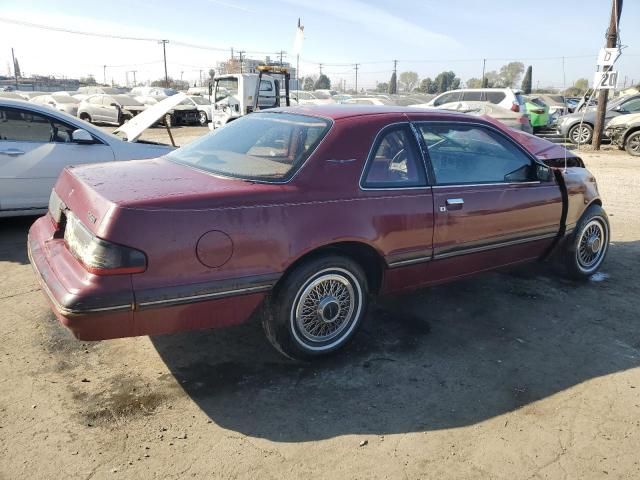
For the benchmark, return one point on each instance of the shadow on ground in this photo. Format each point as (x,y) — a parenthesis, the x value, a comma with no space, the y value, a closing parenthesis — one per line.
(445,357)
(13,247)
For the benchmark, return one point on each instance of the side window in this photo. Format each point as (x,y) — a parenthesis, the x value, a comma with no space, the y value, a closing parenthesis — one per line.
(95,100)
(495,97)
(266,86)
(447,98)
(463,154)
(472,96)
(395,161)
(25,126)
(632,106)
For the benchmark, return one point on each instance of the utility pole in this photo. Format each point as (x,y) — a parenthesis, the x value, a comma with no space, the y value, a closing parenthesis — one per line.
(357,65)
(164,53)
(134,77)
(104,74)
(15,71)
(395,67)
(200,77)
(126,78)
(282,52)
(320,65)
(564,81)
(484,65)
(612,39)
(241,55)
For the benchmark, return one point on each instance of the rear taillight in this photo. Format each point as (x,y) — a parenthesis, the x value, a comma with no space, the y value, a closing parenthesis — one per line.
(515,107)
(56,207)
(98,256)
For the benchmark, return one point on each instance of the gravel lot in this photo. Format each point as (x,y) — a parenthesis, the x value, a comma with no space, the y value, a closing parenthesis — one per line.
(509,375)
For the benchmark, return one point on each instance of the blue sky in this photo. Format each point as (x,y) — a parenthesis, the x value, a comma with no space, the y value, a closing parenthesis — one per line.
(425,36)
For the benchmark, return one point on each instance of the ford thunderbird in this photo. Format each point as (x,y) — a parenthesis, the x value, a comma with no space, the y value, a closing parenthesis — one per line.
(301,214)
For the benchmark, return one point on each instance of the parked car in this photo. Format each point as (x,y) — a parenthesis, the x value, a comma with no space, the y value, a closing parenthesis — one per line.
(37,142)
(204,107)
(624,131)
(111,109)
(538,112)
(29,95)
(85,92)
(10,94)
(185,113)
(505,97)
(63,103)
(517,120)
(151,95)
(308,98)
(302,213)
(578,126)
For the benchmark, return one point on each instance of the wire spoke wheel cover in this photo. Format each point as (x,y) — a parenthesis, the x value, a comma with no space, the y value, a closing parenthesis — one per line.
(326,309)
(592,245)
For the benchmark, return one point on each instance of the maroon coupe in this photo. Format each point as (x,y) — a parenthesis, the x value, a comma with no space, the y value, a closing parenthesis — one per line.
(305,212)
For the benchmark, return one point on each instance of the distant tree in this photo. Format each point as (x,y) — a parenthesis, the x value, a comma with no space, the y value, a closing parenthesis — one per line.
(446,81)
(308,84)
(382,87)
(580,86)
(526,81)
(323,82)
(173,83)
(474,83)
(408,80)
(510,73)
(492,79)
(212,74)
(16,68)
(428,86)
(393,84)
(88,80)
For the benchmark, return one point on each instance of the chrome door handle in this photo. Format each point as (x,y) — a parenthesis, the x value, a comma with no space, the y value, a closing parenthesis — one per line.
(455,203)
(12,152)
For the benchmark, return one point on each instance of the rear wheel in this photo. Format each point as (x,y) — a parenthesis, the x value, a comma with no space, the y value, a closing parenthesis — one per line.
(318,308)
(632,145)
(589,243)
(86,117)
(581,134)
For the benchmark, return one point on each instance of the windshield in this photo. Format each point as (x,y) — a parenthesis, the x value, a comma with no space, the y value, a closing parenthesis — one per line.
(126,100)
(226,87)
(261,146)
(200,101)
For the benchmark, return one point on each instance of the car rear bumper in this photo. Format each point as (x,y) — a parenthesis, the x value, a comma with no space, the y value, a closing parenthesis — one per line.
(103,307)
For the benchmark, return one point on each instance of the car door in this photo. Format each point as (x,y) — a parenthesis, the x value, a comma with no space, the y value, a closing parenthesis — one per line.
(401,205)
(491,207)
(34,148)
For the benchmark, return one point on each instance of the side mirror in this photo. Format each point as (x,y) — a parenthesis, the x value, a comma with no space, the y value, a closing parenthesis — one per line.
(82,137)
(543,173)
(115,105)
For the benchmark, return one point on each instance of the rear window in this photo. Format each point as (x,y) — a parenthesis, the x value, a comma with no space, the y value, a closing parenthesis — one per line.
(497,97)
(261,146)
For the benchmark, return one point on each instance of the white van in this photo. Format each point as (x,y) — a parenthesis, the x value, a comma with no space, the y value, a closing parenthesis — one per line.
(505,97)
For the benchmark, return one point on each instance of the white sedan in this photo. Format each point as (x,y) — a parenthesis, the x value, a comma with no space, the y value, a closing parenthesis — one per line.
(37,142)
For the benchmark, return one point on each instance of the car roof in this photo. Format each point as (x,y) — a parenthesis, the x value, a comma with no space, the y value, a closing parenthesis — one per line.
(337,111)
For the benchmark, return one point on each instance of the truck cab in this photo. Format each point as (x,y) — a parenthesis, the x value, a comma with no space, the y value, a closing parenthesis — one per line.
(238,94)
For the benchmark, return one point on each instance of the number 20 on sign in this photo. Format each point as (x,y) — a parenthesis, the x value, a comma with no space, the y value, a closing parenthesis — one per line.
(605,80)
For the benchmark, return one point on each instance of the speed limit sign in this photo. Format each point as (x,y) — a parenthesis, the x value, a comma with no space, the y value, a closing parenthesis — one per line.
(605,80)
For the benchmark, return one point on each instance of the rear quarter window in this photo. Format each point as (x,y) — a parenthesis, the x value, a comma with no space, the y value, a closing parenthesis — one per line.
(497,97)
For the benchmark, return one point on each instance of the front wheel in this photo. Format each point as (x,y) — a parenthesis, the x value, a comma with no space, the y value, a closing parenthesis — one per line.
(632,145)
(581,134)
(589,243)
(202,118)
(318,308)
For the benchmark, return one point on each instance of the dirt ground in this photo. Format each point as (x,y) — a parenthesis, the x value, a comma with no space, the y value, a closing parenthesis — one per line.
(509,375)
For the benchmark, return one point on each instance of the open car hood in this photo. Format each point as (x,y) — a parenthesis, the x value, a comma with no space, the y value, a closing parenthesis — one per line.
(138,124)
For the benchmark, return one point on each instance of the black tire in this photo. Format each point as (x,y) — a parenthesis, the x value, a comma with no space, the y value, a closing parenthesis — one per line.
(587,247)
(581,134)
(632,145)
(86,117)
(202,118)
(301,308)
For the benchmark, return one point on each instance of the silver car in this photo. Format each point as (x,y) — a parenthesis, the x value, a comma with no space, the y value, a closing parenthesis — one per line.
(63,103)
(112,109)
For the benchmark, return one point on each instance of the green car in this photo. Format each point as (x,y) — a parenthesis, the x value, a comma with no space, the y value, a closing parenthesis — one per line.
(538,112)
